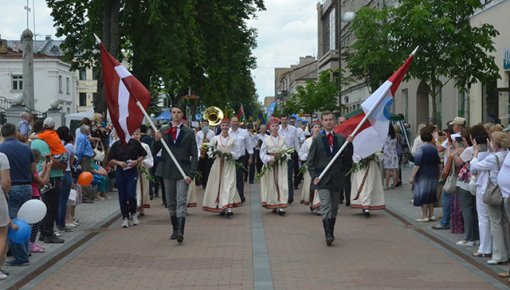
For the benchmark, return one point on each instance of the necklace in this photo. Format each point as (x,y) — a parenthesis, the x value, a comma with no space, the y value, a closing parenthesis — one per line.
(221,140)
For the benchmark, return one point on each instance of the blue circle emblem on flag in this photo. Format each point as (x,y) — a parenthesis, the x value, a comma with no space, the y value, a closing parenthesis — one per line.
(387,108)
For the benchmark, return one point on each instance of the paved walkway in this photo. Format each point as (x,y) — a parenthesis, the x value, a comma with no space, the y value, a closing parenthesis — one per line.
(259,250)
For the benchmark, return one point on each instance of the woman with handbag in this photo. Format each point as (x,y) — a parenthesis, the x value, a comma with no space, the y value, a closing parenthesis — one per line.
(500,228)
(466,199)
(504,185)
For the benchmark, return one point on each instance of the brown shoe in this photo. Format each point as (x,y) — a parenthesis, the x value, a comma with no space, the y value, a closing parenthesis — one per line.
(504,275)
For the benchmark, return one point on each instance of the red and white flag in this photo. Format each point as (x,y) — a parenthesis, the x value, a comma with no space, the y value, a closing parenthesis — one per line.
(372,135)
(241,115)
(122,91)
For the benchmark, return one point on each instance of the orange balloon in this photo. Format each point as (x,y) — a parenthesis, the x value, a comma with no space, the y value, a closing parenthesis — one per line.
(85,178)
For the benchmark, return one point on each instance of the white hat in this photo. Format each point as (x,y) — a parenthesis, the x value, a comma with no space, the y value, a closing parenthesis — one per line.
(458,121)
(49,123)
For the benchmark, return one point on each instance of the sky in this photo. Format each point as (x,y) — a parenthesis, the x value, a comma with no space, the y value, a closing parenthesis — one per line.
(286,31)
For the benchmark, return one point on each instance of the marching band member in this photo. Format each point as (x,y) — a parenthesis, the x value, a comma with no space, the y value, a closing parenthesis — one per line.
(204,136)
(220,193)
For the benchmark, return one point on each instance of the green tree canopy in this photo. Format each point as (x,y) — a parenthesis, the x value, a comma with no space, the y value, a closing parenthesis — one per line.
(450,47)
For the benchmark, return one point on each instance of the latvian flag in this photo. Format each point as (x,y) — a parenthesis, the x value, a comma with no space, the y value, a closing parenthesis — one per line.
(122,91)
(372,135)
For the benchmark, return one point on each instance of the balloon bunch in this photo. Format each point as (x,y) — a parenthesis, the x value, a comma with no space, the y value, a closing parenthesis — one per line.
(31,212)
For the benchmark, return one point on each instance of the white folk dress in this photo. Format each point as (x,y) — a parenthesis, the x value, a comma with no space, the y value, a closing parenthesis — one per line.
(142,185)
(192,194)
(372,194)
(274,188)
(306,192)
(221,192)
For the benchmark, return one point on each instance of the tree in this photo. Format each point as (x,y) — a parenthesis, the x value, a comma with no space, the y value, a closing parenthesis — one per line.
(173,47)
(450,48)
(314,96)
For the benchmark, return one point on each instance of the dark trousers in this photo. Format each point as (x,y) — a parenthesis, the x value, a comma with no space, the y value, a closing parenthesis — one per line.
(62,199)
(345,193)
(469,214)
(290,175)
(252,168)
(258,161)
(239,176)
(298,176)
(126,186)
(204,167)
(50,199)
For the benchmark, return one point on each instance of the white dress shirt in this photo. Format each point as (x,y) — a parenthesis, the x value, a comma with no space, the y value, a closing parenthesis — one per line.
(487,167)
(290,135)
(200,138)
(242,142)
(261,137)
(301,136)
(503,176)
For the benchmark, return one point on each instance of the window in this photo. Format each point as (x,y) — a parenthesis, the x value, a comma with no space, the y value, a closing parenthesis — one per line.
(67,86)
(17,82)
(83,75)
(60,84)
(83,99)
(332,30)
(95,73)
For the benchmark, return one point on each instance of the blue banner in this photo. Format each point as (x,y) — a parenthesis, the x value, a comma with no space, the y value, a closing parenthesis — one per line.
(270,110)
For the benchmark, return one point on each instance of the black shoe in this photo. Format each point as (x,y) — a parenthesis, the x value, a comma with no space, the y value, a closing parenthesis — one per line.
(53,240)
(296,187)
(347,203)
(366,213)
(173,219)
(332,227)
(181,221)
(290,201)
(87,201)
(243,199)
(229,213)
(281,212)
(41,237)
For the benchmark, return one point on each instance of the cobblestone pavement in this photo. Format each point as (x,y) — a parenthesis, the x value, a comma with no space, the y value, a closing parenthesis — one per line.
(380,252)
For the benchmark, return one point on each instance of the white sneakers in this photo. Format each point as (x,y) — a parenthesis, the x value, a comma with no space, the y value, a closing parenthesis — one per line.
(125,223)
(135,219)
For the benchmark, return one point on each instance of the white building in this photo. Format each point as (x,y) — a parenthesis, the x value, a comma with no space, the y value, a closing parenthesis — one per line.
(87,89)
(53,79)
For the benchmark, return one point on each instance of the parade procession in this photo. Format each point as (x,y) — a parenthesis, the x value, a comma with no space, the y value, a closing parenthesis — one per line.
(179,145)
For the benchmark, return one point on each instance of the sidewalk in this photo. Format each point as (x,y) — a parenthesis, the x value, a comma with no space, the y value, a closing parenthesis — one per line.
(398,202)
(92,216)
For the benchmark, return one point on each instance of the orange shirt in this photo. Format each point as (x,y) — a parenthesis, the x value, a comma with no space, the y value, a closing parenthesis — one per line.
(54,142)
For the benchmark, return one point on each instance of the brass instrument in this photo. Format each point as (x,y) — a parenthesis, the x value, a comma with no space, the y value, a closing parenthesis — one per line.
(253,131)
(213,115)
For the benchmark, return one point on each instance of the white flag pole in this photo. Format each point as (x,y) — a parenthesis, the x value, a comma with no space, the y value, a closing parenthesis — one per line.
(356,130)
(162,141)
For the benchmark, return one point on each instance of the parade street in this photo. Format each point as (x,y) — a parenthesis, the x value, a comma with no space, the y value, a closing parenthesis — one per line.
(255,249)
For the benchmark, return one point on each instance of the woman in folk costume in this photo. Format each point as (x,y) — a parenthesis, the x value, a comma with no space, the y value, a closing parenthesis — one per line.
(142,185)
(367,187)
(220,192)
(273,182)
(309,196)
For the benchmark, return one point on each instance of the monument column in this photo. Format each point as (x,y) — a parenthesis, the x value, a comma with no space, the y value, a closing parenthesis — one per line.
(28,69)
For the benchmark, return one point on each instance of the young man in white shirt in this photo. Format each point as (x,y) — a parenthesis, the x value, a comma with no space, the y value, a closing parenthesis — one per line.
(242,145)
(290,135)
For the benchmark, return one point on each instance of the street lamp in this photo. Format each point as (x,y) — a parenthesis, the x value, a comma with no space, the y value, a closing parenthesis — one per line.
(345,17)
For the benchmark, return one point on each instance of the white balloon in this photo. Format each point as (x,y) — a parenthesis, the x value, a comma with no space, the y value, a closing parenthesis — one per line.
(32,211)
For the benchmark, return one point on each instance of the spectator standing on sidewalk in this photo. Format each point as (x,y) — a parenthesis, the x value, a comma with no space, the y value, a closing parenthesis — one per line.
(504,185)
(457,124)
(24,124)
(22,168)
(499,224)
(84,154)
(67,180)
(5,221)
(425,175)
(391,158)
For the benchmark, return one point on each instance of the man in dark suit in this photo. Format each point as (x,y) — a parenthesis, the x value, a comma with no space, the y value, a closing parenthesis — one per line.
(181,141)
(323,149)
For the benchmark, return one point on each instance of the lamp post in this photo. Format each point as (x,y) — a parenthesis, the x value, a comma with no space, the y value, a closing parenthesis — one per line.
(348,16)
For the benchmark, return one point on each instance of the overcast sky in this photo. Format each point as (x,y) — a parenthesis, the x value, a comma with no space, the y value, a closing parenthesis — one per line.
(286,31)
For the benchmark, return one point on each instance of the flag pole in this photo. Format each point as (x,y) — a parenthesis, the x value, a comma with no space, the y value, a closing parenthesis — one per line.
(162,141)
(355,130)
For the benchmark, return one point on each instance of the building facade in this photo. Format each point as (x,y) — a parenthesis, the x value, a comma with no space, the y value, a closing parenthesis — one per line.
(86,89)
(287,80)
(53,80)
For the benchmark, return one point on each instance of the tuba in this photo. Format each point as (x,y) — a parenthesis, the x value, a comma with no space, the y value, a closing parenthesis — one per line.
(213,115)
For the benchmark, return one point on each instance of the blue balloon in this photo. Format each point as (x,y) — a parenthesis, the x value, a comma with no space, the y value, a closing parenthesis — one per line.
(22,234)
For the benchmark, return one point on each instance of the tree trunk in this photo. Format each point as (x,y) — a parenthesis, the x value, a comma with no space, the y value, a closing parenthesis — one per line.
(111,41)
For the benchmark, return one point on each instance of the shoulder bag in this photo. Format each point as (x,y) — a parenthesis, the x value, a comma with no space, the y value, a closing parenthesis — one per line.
(450,183)
(492,195)
(99,151)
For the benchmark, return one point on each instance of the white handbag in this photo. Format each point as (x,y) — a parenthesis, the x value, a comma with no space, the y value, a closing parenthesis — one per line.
(99,153)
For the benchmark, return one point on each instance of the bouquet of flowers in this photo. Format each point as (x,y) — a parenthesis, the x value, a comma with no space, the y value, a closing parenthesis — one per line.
(363,163)
(213,152)
(280,158)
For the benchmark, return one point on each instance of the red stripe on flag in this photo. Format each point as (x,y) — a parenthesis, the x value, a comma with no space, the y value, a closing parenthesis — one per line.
(347,127)
(399,75)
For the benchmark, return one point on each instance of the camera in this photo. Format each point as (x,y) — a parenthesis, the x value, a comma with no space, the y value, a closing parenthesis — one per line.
(481,139)
(458,139)
(48,158)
